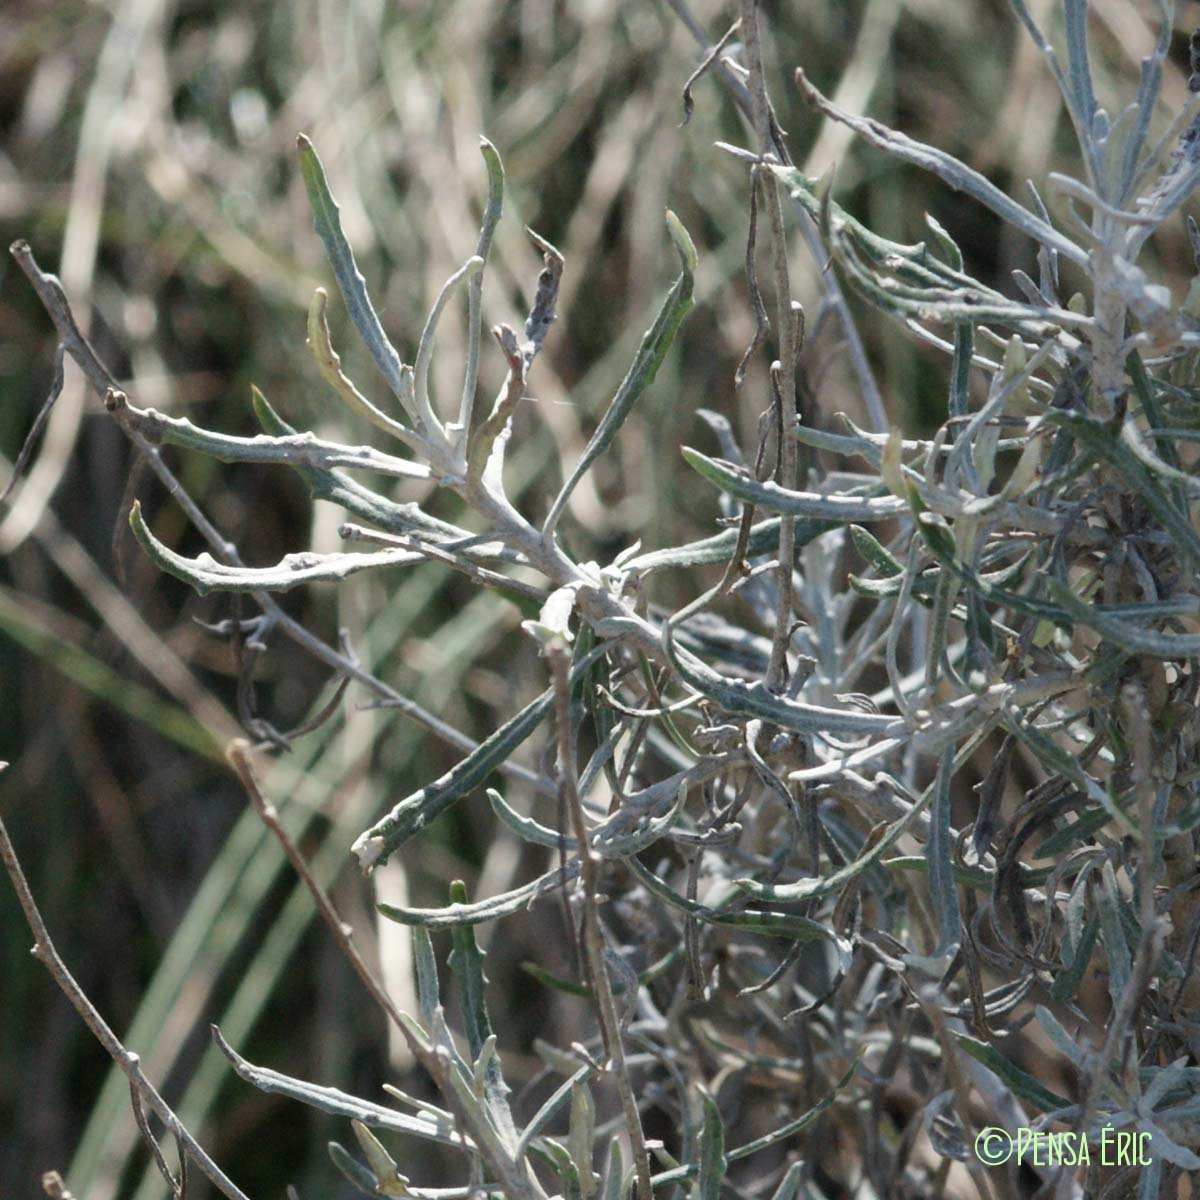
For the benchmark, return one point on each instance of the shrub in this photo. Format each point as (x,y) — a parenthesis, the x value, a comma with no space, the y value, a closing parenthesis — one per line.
(910,775)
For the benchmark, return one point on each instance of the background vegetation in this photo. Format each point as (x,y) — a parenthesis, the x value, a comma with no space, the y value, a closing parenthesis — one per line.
(148,150)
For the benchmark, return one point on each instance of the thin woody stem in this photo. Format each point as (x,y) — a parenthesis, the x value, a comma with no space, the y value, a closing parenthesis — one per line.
(45,952)
(787,326)
(593,936)
(54,300)
(238,753)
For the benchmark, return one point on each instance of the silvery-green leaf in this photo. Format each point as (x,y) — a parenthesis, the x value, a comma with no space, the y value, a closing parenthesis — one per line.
(352,1169)
(466,962)
(490,909)
(789,1185)
(1066,983)
(427,979)
(335,1102)
(205,574)
(413,813)
(770,496)
(388,1181)
(350,282)
(581,1137)
(616,1185)
(1112,935)
(1058,1035)
(655,344)
(1164,1148)
(1108,445)
(1022,1084)
(712,1152)
(939,854)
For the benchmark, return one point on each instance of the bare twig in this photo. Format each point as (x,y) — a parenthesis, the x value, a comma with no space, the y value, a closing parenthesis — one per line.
(787,330)
(45,952)
(139,1116)
(834,298)
(39,423)
(705,63)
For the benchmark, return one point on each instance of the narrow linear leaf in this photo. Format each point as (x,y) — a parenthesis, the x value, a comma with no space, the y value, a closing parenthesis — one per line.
(1166,1149)
(297,449)
(653,349)
(650,974)
(767,923)
(205,574)
(972,877)
(1143,388)
(939,855)
(1112,935)
(1057,844)
(612,838)
(582,1135)
(491,218)
(1102,441)
(388,1180)
(326,484)
(483,910)
(824,885)
(789,1185)
(428,998)
(329,365)
(764,539)
(352,1169)
(1052,756)
(1133,638)
(770,496)
(713,1162)
(941,545)
(414,812)
(466,963)
(941,164)
(1066,983)
(755,700)
(426,417)
(1058,1035)
(1022,1084)
(875,553)
(527,828)
(554,1102)
(1150,1180)
(328,224)
(616,1186)
(335,1102)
